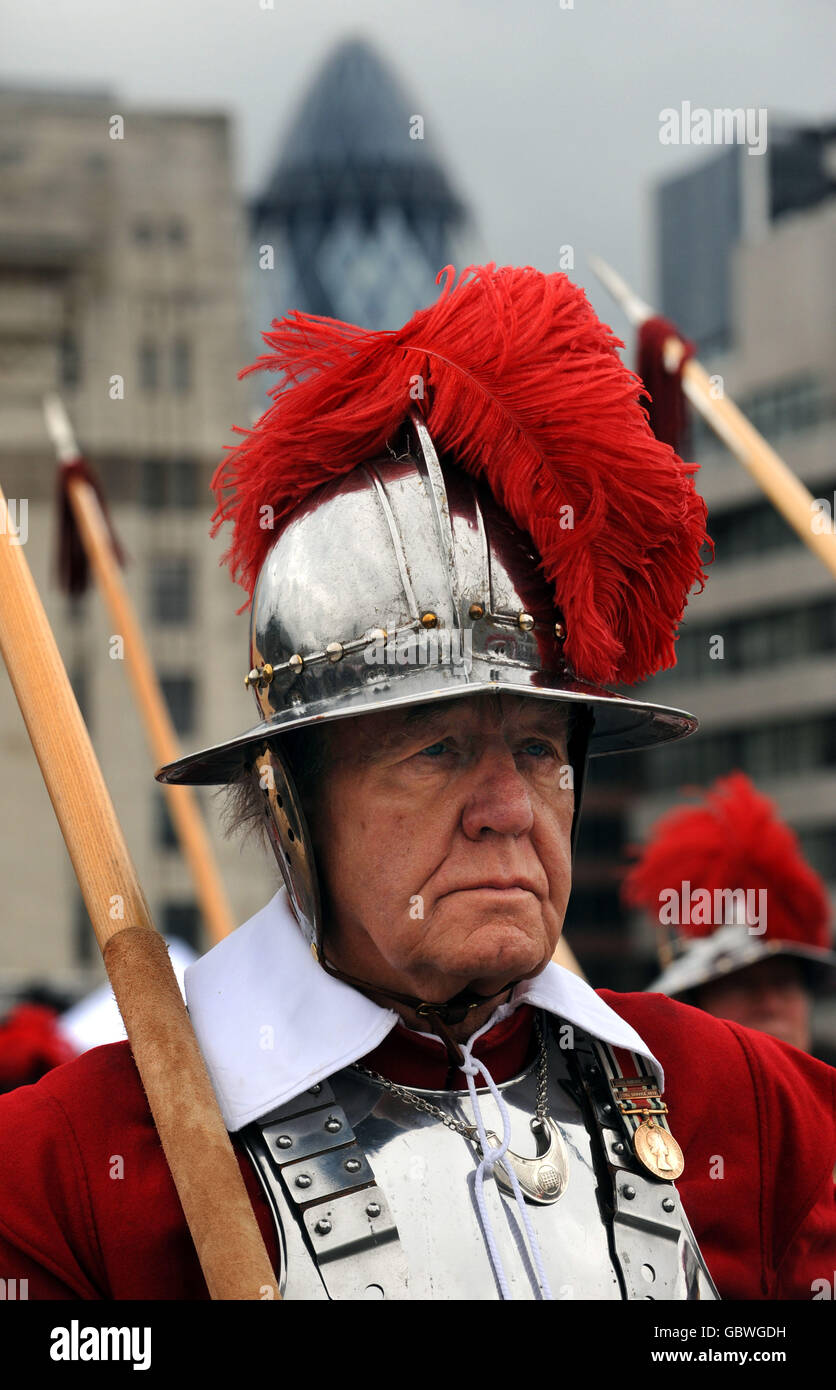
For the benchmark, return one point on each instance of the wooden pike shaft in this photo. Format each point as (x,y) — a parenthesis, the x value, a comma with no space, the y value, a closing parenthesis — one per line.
(182,804)
(565,956)
(785,491)
(203,1165)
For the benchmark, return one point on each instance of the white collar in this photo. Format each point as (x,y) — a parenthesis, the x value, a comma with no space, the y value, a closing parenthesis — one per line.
(271,1022)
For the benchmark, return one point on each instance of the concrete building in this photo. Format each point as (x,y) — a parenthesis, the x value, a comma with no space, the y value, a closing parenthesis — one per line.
(745,258)
(757,651)
(733,197)
(122,253)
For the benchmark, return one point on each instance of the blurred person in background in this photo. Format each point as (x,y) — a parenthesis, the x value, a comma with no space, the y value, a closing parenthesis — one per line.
(32,1041)
(743,921)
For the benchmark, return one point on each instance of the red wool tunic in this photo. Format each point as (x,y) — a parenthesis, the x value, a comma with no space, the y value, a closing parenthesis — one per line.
(88,1208)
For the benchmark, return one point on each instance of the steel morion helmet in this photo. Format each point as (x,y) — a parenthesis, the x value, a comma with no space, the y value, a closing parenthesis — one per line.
(474,502)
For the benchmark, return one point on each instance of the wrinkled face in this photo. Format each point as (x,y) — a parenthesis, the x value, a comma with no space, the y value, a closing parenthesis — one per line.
(769,996)
(442,835)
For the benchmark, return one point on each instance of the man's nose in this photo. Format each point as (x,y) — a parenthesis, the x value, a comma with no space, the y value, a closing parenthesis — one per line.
(498,797)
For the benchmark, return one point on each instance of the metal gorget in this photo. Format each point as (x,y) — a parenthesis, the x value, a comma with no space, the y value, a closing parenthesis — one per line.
(374,1198)
(542,1178)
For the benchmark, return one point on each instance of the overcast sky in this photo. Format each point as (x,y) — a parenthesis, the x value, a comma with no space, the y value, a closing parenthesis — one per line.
(548,117)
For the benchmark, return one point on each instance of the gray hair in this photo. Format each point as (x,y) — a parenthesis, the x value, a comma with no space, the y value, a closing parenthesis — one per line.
(244,803)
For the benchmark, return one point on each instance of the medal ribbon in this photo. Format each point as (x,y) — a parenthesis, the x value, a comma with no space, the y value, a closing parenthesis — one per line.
(634,1091)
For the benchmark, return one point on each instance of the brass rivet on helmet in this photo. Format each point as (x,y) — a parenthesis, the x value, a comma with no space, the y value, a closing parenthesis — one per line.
(525,621)
(296,662)
(259,676)
(334,651)
(429,619)
(560,630)
(475,611)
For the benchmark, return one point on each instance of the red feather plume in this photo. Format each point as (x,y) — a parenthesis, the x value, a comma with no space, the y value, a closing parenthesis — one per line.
(522,386)
(734,839)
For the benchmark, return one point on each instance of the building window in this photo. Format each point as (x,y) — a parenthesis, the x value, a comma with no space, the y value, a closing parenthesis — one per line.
(78,681)
(181,374)
(603,835)
(817,847)
(752,529)
(69,360)
(595,906)
(754,643)
(784,407)
(165,836)
(179,692)
(143,232)
(177,232)
(168,482)
(85,939)
(153,483)
(171,589)
(769,639)
(765,750)
(183,478)
(182,920)
(149,366)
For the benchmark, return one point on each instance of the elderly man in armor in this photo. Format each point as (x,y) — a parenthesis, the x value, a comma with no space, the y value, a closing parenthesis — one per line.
(423,1103)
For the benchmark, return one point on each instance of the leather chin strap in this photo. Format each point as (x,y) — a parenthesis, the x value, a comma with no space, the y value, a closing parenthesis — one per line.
(442,1015)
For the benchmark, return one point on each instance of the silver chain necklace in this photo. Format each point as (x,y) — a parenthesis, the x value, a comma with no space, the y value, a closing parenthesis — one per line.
(543,1178)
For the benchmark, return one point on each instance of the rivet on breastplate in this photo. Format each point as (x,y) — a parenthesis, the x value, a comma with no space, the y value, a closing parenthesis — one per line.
(284,1141)
(304,1180)
(333,1125)
(629,1193)
(315,1090)
(352,1165)
(373,1209)
(322,1226)
(607,1109)
(668,1204)
(618,1147)
(648,1273)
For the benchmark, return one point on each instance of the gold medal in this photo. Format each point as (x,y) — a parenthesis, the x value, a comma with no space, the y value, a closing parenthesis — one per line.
(658,1151)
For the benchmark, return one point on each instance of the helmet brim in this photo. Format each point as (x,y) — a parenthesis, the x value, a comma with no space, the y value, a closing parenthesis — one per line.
(620,724)
(693,969)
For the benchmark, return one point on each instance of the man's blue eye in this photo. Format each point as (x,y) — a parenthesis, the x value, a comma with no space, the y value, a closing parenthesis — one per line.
(429,749)
(535,743)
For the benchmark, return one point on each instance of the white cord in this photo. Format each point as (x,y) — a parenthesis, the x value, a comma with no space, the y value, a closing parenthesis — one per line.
(490,1157)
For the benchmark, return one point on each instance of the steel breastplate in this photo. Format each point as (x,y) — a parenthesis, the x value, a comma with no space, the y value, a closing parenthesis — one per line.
(374,1198)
